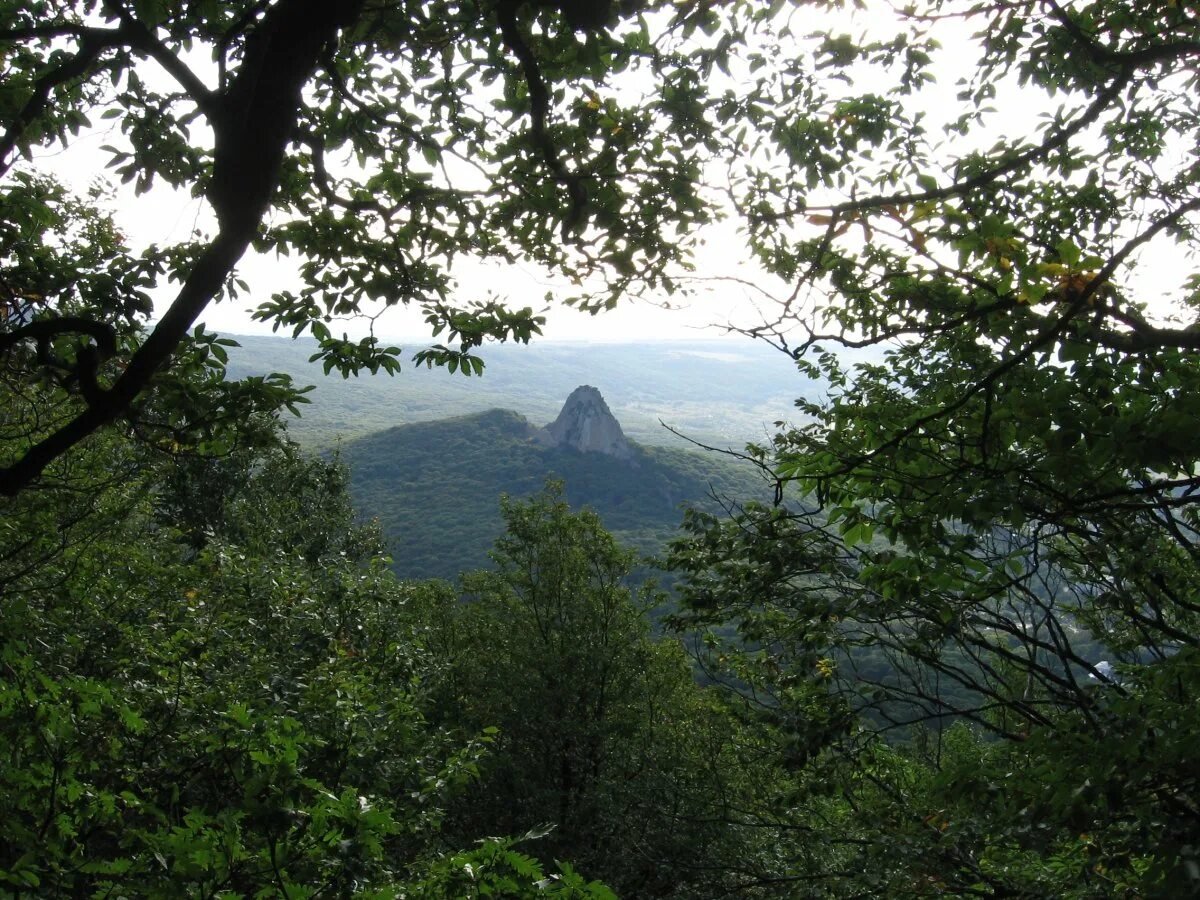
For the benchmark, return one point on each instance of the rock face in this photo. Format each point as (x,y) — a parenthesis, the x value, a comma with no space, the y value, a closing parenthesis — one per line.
(586,424)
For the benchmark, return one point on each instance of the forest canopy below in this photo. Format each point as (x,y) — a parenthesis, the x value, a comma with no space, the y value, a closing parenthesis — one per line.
(212,685)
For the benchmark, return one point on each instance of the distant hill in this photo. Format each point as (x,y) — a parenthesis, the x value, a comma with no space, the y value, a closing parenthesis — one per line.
(435,485)
(721,392)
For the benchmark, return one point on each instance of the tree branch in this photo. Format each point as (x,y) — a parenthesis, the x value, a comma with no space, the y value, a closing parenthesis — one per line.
(959,188)
(53,30)
(142,38)
(1099,53)
(93,42)
(48,329)
(254,121)
(539,110)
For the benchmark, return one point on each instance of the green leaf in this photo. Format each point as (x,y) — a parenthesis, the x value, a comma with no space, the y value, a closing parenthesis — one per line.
(1068,252)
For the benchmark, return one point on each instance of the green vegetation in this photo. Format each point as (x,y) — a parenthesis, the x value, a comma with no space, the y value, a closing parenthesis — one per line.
(1009,497)
(434,486)
(224,703)
(604,737)
(958,652)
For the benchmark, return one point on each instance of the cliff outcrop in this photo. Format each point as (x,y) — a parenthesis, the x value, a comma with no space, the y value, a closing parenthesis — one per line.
(586,424)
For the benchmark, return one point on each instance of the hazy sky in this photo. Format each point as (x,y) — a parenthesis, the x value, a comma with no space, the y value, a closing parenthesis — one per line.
(164,215)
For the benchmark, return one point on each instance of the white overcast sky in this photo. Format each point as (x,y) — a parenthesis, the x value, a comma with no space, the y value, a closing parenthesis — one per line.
(164,216)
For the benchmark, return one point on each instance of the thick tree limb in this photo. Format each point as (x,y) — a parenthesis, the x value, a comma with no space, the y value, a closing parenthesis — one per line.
(48,329)
(539,111)
(254,121)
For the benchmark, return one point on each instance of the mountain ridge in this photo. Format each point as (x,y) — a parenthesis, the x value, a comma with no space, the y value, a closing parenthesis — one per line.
(722,393)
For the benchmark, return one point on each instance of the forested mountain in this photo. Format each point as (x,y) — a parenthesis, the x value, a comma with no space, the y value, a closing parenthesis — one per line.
(435,485)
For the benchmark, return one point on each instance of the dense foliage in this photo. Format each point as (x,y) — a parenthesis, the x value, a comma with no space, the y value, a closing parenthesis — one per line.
(1004,508)
(962,646)
(604,737)
(223,703)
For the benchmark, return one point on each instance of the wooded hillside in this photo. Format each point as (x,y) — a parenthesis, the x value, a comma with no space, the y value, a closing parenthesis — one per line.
(435,486)
(955,651)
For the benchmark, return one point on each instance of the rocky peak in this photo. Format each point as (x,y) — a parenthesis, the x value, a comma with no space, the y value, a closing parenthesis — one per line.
(586,424)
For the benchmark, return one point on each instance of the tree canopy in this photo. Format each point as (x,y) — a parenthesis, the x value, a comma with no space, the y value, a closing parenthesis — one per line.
(603,736)
(993,520)
(375,143)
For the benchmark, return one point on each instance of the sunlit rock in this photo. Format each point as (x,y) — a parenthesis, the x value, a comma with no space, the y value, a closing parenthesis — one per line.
(586,424)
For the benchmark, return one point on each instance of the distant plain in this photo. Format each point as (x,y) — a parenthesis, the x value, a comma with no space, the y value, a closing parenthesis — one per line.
(723,393)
